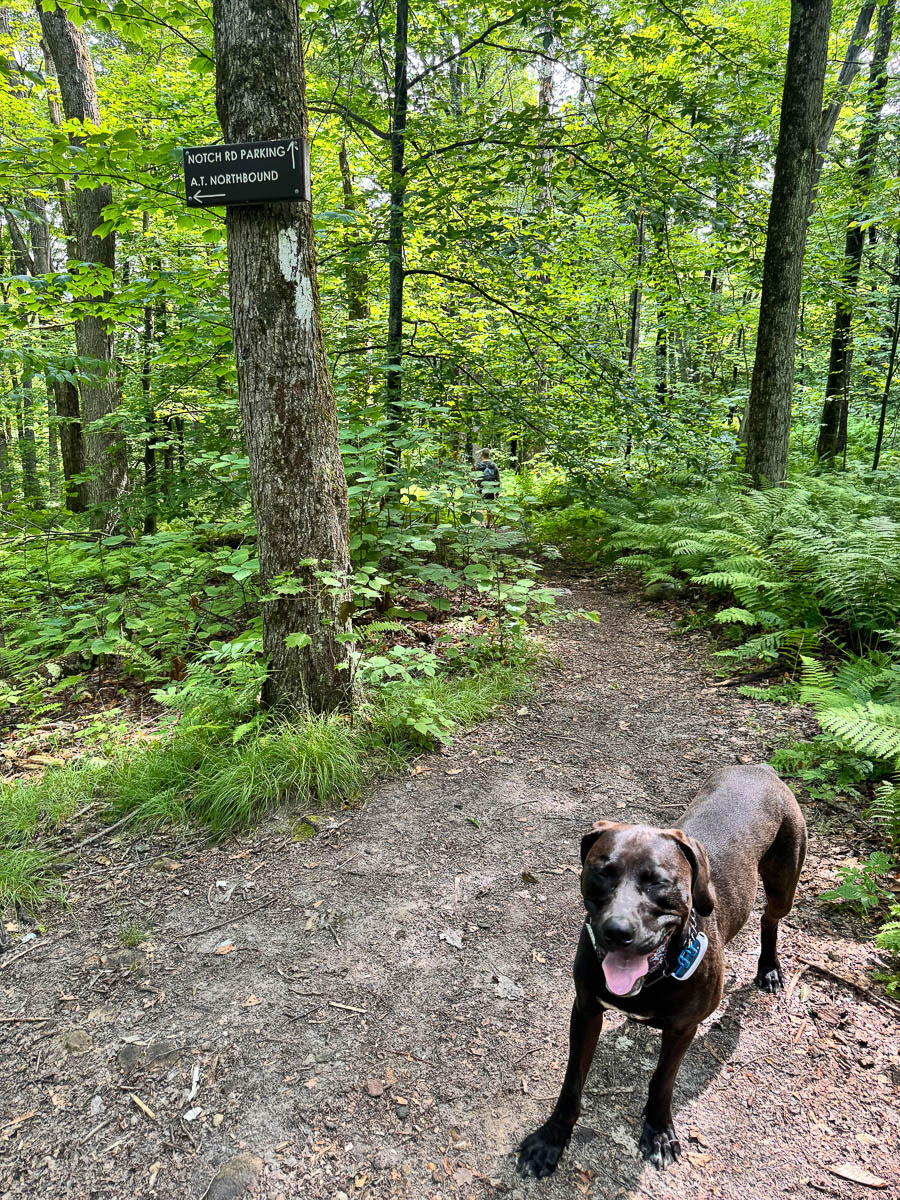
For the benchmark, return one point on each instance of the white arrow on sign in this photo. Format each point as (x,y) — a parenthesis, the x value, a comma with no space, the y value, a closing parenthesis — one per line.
(200,196)
(292,146)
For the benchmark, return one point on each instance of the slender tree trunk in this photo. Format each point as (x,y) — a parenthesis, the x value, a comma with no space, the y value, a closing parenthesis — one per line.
(70,443)
(52,443)
(396,235)
(287,404)
(31,486)
(182,459)
(769,409)
(148,336)
(24,264)
(832,439)
(66,401)
(7,482)
(151,499)
(356,275)
(893,333)
(104,448)
(633,332)
(848,72)
(662,321)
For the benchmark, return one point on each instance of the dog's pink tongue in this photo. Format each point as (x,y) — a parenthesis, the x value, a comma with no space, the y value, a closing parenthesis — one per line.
(622,971)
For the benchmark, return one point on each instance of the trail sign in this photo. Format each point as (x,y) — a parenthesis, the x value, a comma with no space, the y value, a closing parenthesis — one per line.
(246,173)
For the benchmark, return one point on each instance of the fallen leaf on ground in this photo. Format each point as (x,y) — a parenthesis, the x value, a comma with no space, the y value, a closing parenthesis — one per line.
(857,1174)
(225,948)
(456,771)
(251,1001)
(508,989)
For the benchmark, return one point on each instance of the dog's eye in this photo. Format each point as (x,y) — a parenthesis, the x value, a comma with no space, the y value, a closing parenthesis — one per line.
(655,881)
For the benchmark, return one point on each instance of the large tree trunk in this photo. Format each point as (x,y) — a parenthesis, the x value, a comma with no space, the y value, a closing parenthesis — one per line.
(287,404)
(394,383)
(104,448)
(832,439)
(769,409)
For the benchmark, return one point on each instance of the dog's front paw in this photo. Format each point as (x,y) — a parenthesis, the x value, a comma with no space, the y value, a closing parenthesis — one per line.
(660,1147)
(769,980)
(541,1151)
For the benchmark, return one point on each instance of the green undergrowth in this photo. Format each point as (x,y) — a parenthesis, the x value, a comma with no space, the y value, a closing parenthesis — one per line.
(222,766)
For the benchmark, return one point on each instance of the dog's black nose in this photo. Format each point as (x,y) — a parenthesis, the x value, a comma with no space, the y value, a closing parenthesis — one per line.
(617,931)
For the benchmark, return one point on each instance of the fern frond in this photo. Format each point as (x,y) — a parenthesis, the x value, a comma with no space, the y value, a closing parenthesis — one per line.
(872,729)
(885,810)
(738,616)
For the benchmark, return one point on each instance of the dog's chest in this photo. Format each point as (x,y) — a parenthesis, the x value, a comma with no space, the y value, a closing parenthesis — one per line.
(624,1011)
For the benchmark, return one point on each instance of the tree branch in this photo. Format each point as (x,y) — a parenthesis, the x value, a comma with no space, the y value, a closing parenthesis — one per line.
(464,50)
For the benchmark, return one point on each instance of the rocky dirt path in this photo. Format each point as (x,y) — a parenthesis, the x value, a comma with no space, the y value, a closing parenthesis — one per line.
(381,1010)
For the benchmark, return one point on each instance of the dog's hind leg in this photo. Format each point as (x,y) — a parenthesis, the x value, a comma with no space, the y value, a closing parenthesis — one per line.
(779,870)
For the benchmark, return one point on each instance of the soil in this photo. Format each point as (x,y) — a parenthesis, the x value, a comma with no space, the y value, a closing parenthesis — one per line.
(381,1009)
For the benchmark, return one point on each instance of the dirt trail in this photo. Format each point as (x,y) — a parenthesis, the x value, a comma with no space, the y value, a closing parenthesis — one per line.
(419,948)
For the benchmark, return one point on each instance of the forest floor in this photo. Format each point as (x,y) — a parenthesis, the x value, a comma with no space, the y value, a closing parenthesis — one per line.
(382,1010)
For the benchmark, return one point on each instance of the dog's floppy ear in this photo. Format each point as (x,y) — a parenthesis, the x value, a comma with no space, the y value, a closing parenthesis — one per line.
(702,890)
(592,834)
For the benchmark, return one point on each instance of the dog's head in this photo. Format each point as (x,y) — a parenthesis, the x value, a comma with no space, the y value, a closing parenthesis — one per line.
(638,885)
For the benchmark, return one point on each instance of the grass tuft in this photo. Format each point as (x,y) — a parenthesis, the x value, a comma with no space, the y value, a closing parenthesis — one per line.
(197,775)
(27,878)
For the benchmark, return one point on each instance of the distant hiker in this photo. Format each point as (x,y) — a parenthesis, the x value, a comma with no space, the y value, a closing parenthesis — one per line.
(490,476)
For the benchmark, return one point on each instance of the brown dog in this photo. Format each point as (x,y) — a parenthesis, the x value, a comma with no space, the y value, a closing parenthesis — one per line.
(662,904)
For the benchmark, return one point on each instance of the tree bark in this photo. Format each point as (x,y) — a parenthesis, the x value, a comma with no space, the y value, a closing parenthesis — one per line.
(893,334)
(356,275)
(7,481)
(396,238)
(832,439)
(24,264)
(769,408)
(633,332)
(151,498)
(105,453)
(287,403)
(71,444)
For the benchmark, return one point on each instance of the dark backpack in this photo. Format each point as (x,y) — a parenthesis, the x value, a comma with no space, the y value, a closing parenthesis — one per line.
(489,473)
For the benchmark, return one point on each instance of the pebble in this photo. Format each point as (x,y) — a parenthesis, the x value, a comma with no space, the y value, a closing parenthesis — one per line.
(235,1178)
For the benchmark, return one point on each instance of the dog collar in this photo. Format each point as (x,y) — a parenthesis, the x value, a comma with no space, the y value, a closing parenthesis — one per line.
(691,953)
(693,947)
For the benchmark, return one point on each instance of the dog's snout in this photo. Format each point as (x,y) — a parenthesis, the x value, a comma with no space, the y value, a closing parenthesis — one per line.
(617,931)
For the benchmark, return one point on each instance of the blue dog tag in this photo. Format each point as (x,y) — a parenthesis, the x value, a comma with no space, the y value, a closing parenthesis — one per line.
(690,957)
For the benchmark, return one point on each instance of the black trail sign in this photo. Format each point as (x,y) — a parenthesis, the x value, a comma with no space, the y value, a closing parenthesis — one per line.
(246,173)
